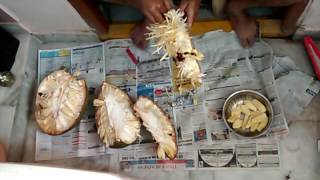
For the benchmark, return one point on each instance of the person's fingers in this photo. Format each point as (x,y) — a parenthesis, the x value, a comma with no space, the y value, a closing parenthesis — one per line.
(189,21)
(163,9)
(244,42)
(190,17)
(183,5)
(248,43)
(137,34)
(251,41)
(136,42)
(141,43)
(146,22)
(150,17)
(158,16)
(168,4)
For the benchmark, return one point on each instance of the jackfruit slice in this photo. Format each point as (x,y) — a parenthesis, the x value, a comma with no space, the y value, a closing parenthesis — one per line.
(159,125)
(60,100)
(117,125)
(259,105)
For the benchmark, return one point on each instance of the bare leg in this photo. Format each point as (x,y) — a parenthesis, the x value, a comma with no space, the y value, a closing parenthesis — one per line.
(2,153)
(245,26)
(291,17)
(138,34)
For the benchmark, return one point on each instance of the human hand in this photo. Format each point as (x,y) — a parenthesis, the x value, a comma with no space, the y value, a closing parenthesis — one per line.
(138,34)
(153,9)
(190,8)
(245,27)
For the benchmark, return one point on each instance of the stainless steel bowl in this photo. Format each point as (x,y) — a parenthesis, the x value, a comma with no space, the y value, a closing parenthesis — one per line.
(238,98)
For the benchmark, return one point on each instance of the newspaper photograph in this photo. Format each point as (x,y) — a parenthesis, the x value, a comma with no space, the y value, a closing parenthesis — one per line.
(217,156)
(216,128)
(268,153)
(163,97)
(246,155)
(191,125)
(258,153)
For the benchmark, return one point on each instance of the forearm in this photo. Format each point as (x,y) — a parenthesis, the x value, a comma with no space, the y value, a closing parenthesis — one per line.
(123,2)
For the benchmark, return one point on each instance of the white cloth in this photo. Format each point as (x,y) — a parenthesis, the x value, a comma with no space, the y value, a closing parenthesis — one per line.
(6,123)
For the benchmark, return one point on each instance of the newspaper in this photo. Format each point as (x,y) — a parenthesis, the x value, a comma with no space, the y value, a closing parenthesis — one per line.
(298,89)
(197,114)
(82,140)
(51,60)
(204,141)
(120,70)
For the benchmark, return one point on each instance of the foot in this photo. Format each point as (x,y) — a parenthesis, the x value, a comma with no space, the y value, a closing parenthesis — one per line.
(246,29)
(138,34)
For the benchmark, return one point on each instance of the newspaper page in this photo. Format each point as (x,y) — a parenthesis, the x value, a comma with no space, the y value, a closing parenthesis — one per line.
(82,140)
(297,92)
(153,81)
(229,69)
(120,70)
(204,141)
(197,115)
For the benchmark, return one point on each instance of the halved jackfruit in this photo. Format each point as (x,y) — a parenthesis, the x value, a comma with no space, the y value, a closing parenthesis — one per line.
(159,125)
(117,125)
(60,100)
